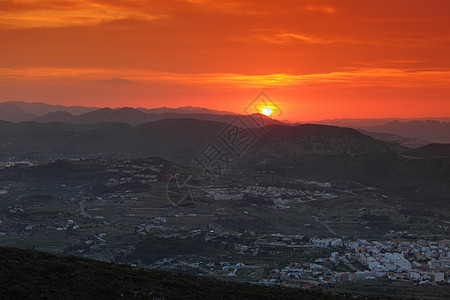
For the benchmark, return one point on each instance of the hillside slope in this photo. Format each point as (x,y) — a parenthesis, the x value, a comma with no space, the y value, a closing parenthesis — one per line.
(287,142)
(29,274)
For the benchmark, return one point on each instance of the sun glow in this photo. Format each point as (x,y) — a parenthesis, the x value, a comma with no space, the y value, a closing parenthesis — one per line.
(267,111)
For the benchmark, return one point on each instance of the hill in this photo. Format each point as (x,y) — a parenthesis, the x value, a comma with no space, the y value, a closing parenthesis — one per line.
(280,142)
(29,274)
(58,116)
(107,115)
(431,151)
(174,139)
(177,140)
(10,112)
(429,130)
(393,138)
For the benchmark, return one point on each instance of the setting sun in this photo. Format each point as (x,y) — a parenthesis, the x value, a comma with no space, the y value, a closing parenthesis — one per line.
(317,59)
(267,111)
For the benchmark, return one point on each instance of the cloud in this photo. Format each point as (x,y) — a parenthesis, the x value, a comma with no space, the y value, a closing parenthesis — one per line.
(321,8)
(353,77)
(68,13)
(58,13)
(284,38)
(118,81)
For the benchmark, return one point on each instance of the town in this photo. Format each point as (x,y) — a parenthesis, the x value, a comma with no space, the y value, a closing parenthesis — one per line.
(257,228)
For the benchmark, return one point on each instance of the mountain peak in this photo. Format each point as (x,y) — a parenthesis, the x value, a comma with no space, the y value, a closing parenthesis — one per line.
(126,108)
(9,111)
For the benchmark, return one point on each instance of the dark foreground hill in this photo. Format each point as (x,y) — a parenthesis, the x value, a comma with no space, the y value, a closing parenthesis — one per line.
(29,274)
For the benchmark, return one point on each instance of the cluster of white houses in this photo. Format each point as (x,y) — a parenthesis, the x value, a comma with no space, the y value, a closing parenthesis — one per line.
(421,260)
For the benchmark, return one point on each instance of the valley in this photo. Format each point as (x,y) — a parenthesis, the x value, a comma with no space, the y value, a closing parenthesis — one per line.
(244,225)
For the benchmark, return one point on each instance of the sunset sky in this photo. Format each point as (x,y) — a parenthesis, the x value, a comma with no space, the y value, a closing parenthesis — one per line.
(316,59)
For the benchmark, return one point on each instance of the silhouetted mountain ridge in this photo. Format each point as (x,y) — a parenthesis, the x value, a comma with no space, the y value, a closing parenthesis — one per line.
(185,110)
(407,132)
(133,116)
(39,108)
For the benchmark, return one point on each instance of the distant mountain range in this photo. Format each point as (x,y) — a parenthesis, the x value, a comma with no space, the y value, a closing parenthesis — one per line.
(10,111)
(136,117)
(185,110)
(17,111)
(23,111)
(407,132)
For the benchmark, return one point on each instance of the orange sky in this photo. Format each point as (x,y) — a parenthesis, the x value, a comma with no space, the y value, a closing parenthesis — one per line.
(316,59)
